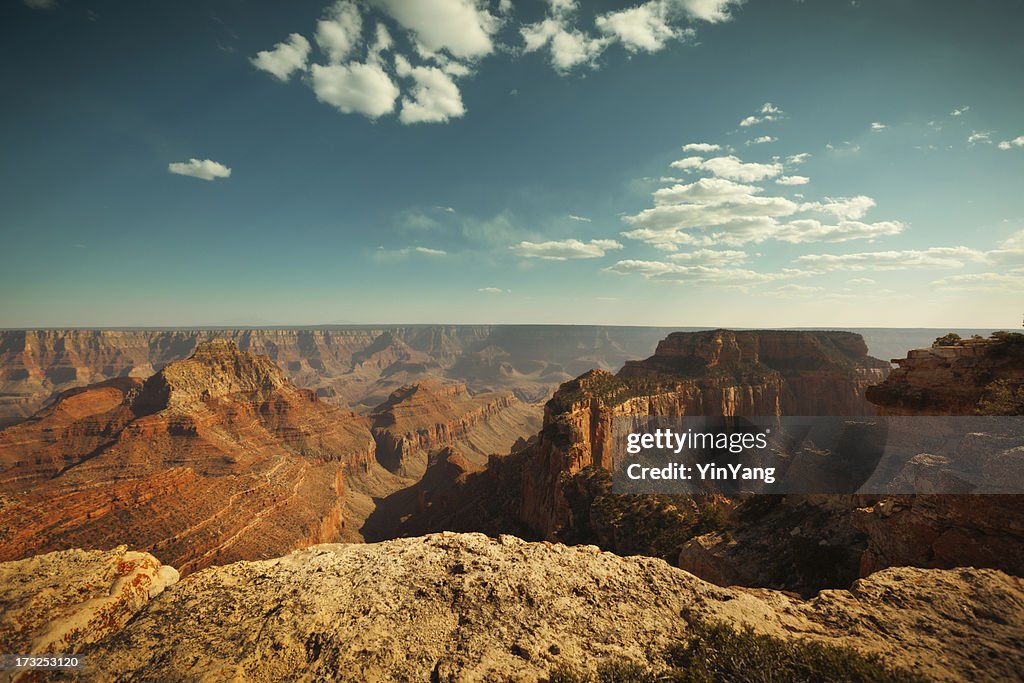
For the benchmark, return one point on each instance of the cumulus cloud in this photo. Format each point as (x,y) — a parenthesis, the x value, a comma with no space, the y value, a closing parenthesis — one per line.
(355,88)
(1016,142)
(810,230)
(493,290)
(285,58)
(339,32)
(849,208)
(430,252)
(933,257)
(797,159)
(569,47)
(562,250)
(876,126)
(204,169)
(582,219)
(762,140)
(768,112)
(645,27)
(435,97)
(709,257)
(701,147)
(977,136)
(697,274)
(731,208)
(959,111)
(463,28)
(733,168)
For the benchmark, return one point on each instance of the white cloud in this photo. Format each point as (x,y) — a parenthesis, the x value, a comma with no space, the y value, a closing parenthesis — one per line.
(701,147)
(711,11)
(798,291)
(933,257)
(764,139)
(582,219)
(705,190)
(340,31)
(982,282)
(1016,142)
(768,112)
(688,163)
(569,47)
(435,97)
(355,88)
(285,58)
(493,290)
(645,27)
(698,274)
(792,180)
(431,252)
(463,28)
(709,257)
(960,111)
(977,136)
(844,207)
(809,230)
(800,158)
(860,282)
(563,250)
(733,168)
(876,126)
(204,169)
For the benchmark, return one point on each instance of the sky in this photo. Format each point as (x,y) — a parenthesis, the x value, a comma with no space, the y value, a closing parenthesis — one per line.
(766,163)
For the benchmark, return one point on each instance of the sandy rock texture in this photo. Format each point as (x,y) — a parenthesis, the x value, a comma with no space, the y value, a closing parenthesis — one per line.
(58,602)
(465,607)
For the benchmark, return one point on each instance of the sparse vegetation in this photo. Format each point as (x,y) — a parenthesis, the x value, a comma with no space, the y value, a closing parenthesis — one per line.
(718,652)
(1002,398)
(951,339)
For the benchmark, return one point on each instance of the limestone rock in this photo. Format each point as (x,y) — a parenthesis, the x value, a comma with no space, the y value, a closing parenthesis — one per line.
(59,602)
(456,607)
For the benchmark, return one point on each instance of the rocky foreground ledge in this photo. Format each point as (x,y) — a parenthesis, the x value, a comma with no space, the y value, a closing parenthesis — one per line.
(468,607)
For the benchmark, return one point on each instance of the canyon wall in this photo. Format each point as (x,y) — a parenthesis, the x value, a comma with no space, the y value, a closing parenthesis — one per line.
(720,372)
(348,366)
(975,375)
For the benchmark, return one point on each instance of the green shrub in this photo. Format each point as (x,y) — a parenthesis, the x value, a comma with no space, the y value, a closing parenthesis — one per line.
(951,339)
(718,652)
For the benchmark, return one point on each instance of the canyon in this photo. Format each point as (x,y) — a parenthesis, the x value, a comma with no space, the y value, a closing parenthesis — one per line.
(220,457)
(719,372)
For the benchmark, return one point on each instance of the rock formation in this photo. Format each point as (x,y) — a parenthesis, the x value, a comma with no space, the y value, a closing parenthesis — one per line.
(212,459)
(347,366)
(950,379)
(60,602)
(453,607)
(219,457)
(693,373)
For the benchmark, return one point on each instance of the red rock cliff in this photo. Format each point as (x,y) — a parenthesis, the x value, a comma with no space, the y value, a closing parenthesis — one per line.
(719,372)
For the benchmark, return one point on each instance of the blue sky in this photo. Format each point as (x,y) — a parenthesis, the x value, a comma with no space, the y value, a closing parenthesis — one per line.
(455,161)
